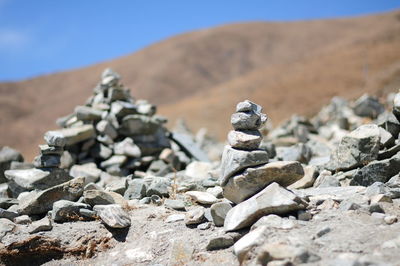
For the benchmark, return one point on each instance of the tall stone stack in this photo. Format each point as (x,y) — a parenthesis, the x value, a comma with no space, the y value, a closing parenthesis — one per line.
(244,168)
(50,153)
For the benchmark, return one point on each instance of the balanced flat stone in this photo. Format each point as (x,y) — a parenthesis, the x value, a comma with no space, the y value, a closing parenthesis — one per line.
(55,138)
(246,121)
(234,160)
(202,197)
(271,200)
(253,180)
(74,135)
(245,140)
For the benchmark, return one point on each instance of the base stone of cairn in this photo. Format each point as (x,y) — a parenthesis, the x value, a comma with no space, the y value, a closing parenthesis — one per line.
(244,167)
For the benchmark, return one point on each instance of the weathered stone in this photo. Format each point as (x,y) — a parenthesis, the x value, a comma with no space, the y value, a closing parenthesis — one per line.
(299,152)
(104,127)
(246,120)
(195,216)
(380,198)
(5,203)
(39,226)
(233,161)
(358,148)
(326,179)
(48,160)
(23,219)
(10,215)
(202,197)
(310,174)
(271,200)
(274,221)
(254,238)
(54,150)
(113,215)
(175,218)
(136,189)
(128,148)
(253,180)
(55,138)
(121,109)
(217,191)
(198,171)
(65,210)
(75,134)
(118,186)
(41,202)
(187,144)
(98,197)
(88,113)
(175,204)
(6,226)
(247,106)
(278,251)
(386,139)
(220,242)
(159,186)
(244,140)
(100,151)
(115,160)
(218,212)
(89,171)
(368,106)
(30,179)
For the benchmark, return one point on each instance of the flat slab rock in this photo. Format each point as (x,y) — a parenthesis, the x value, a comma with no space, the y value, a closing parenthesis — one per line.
(77,134)
(253,180)
(273,199)
(234,160)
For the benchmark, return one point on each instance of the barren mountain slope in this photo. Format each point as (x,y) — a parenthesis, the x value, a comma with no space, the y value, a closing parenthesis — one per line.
(287,67)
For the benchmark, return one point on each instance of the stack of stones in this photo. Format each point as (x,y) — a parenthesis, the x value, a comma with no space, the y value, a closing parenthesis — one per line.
(50,153)
(244,168)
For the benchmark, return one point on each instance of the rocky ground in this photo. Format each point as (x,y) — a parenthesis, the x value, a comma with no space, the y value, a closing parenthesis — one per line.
(115,187)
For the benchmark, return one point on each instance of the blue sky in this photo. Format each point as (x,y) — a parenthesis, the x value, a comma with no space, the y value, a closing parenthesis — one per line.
(46,36)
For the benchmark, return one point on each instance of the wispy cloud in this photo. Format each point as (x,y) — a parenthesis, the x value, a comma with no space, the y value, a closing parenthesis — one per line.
(13,40)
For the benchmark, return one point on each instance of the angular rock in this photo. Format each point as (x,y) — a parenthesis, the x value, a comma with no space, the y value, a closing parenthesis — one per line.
(310,174)
(274,221)
(278,251)
(248,120)
(234,160)
(30,179)
(254,238)
(113,215)
(55,138)
(386,139)
(358,148)
(104,127)
(41,202)
(10,215)
(195,216)
(99,197)
(245,139)
(7,156)
(175,204)
(88,113)
(218,212)
(253,180)
(47,160)
(271,200)
(77,134)
(6,226)
(368,106)
(159,187)
(23,219)
(202,197)
(39,226)
(53,150)
(220,242)
(65,210)
(187,144)
(128,148)
(89,171)
(136,189)
(115,160)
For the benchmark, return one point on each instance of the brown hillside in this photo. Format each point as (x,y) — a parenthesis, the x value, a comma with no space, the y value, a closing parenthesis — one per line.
(291,67)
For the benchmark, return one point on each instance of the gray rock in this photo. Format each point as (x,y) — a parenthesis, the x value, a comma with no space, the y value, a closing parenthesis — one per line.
(323,231)
(198,171)
(274,221)
(271,200)
(159,186)
(253,180)
(118,186)
(39,226)
(115,160)
(55,138)
(30,179)
(254,238)
(41,202)
(53,150)
(195,216)
(187,144)
(375,207)
(299,152)
(220,242)
(74,135)
(47,160)
(105,127)
(113,215)
(358,148)
(280,252)
(204,226)
(245,139)
(127,147)
(377,171)
(121,109)
(23,219)
(10,215)
(234,160)
(202,197)
(86,113)
(6,203)
(89,171)
(247,106)
(175,204)
(159,168)
(6,226)
(246,120)
(65,210)
(368,106)
(348,205)
(175,218)
(326,179)
(217,191)
(389,122)
(136,189)
(98,197)
(218,212)
(101,151)
(386,139)
(310,174)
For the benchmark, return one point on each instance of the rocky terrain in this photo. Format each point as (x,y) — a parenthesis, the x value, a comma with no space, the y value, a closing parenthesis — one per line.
(114,186)
(200,75)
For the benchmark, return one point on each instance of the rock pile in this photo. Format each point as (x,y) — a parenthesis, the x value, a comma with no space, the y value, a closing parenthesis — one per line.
(244,167)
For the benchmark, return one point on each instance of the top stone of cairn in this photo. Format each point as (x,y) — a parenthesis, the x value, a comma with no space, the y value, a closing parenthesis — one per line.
(248,116)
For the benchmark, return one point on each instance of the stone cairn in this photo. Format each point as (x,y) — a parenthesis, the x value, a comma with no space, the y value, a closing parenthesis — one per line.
(244,168)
